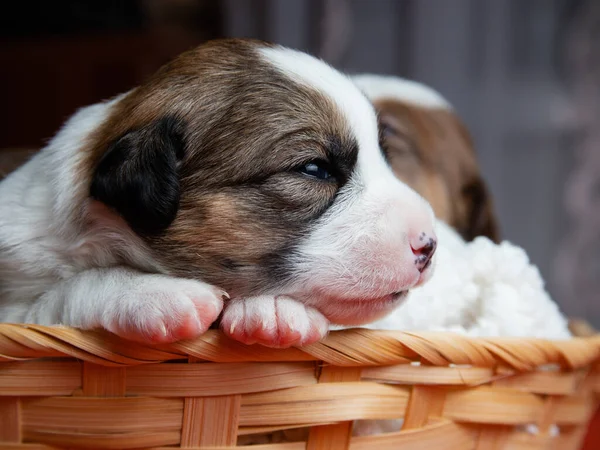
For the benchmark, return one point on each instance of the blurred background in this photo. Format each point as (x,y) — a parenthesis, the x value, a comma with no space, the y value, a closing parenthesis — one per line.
(524,75)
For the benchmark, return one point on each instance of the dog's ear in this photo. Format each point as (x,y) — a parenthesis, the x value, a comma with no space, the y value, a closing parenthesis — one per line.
(138,176)
(481,217)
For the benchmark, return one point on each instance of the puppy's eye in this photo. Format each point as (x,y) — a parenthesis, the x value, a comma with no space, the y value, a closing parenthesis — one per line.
(318,170)
(387,131)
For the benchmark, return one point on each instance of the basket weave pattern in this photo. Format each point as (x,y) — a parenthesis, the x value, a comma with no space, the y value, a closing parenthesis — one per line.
(71,389)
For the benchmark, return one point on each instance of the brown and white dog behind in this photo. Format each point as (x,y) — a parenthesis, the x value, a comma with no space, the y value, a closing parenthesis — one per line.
(431,150)
(239,167)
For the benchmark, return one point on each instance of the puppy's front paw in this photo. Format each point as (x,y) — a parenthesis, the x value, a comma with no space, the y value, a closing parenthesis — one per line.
(273,321)
(159,309)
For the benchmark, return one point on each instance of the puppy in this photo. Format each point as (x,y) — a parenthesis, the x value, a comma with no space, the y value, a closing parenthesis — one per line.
(241,172)
(430,149)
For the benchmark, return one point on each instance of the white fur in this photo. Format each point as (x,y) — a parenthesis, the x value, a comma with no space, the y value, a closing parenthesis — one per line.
(146,307)
(381,86)
(39,212)
(360,252)
(58,251)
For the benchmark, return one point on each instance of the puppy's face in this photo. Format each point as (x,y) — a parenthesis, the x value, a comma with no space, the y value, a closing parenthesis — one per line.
(430,149)
(258,169)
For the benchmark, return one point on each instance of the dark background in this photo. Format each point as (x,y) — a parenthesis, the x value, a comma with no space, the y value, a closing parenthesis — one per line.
(524,74)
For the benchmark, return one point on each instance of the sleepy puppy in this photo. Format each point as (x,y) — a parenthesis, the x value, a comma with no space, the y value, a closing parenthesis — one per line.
(430,149)
(240,173)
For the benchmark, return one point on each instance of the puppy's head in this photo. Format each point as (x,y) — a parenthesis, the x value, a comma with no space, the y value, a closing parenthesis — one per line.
(430,149)
(258,169)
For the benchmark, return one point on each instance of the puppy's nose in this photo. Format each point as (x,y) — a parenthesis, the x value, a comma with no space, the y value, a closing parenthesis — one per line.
(423,248)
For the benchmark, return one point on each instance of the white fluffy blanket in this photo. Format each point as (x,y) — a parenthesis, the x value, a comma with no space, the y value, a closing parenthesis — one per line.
(480,288)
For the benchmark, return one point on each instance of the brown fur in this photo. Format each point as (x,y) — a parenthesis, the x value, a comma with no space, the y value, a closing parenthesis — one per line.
(431,151)
(246,129)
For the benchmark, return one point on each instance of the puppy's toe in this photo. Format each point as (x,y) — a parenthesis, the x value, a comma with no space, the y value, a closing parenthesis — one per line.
(319,326)
(273,321)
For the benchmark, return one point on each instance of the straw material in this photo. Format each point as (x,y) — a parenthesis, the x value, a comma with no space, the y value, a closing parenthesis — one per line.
(60,387)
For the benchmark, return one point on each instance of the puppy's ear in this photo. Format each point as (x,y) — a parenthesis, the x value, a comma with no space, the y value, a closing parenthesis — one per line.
(138,176)
(481,217)
(480,213)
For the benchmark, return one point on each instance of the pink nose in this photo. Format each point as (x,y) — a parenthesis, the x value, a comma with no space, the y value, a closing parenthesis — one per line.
(423,248)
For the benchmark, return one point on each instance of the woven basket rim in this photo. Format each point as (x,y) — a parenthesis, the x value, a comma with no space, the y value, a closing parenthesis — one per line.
(352,347)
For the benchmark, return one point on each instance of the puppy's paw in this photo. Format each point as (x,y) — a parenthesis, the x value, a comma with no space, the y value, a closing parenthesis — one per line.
(273,321)
(159,309)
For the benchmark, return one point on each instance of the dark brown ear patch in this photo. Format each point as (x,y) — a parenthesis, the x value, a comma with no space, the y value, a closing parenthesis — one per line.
(481,220)
(138,176)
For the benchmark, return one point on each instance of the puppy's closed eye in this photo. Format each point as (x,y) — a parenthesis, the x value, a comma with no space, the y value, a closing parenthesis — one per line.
(305,191)
(395,140)
(318,170)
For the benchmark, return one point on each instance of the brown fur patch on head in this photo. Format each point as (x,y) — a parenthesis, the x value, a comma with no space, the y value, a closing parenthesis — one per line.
(245,129)
(431,151)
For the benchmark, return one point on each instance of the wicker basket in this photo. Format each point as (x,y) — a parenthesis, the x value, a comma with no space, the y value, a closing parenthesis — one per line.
(71,389)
